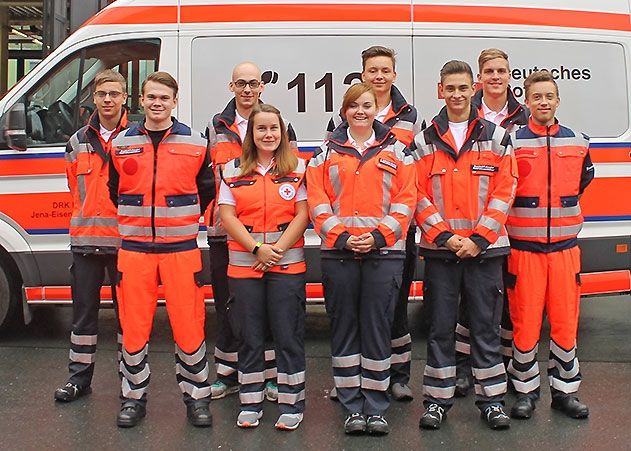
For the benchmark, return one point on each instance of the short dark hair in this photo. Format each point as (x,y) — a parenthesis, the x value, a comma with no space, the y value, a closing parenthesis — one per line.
(164,78)
(378,50)
(538,76)
(455,67)
(109,75)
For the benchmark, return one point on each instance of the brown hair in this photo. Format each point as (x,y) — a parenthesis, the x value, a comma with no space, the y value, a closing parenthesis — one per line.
(110,75)
(538,76)
(353,93)
(164,78)
(490,54)
(284,158)
(378,50)
(455,67)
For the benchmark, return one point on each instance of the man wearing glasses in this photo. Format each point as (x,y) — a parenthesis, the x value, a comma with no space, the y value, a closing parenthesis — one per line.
(94,238)
(225,133)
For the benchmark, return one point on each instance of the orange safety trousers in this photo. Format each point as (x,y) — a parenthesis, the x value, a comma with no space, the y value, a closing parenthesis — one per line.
(138,297)
(544,281)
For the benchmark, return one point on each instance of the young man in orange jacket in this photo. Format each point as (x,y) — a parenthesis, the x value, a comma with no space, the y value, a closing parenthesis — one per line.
(545,262)
(94,238)
(466,183)
(161,180)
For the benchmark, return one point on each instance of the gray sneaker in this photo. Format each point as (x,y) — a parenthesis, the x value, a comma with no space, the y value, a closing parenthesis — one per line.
(288,421)
(249,418)
(220,390)
(401,392)
(271,391)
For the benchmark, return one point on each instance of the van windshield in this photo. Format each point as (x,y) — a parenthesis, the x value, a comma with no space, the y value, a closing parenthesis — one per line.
(61,102)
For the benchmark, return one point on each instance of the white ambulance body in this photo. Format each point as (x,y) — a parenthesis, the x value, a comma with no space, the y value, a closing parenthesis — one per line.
(310,53)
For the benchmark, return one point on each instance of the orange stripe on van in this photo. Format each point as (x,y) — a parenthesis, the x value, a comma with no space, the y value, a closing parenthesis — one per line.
(606,282)
(38,210)
(357,13)
(36,166)
(610,154)
(604,197)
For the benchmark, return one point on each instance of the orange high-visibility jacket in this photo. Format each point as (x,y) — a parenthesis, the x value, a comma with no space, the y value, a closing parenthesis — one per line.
(467,192)
(160,194)
(517,113)
(554,169)
(352,194)
(224,144)
(93,226)
(265,205)
(402,118)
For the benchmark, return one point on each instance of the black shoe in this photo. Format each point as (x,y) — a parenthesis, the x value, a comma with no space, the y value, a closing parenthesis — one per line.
(198,414)
(495,417)
(377,425)
(571,406)
(71,392)
(130,414)
(523,408)
(432,417)
(463,385)
(355,424)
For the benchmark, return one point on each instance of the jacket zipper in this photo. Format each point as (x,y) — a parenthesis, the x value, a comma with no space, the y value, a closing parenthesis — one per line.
(549,182)
(153,191)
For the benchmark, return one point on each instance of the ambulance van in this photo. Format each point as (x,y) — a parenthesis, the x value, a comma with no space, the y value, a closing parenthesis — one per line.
(310,53)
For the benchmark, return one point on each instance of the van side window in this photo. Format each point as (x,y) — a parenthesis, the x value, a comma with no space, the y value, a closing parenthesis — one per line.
(61,102)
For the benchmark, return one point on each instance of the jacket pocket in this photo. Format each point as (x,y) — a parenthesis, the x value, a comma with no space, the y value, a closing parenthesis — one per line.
(526,202)
(181,200)
(569,201)
(130,199)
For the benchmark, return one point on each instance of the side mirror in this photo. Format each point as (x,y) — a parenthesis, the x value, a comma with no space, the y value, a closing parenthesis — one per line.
(14,127)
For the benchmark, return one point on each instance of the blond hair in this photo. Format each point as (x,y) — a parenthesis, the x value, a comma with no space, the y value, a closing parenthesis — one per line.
(110,75)
(490,54)
(164,78)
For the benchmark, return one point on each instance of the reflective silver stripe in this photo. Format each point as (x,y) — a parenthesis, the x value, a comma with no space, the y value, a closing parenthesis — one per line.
(293,255)
(577,141)
(439,392)
(227,356)
(483,192)
(440,373)
(125,230)
(460,329)
(437,190)
(506,334)
(346,361)
(135,359)
(432,220)
(93,221)
(291,379)
(401,341)
(231,171)
(542,231)
(199,377)
(401,209)
(490,390)
(321,209)
(506,351)
(123,140)
(385,187)
(194,139)
(128,392)
(490,224)
(334,176)
(486,373)
(224,370)
(134,210)
(372,384)
(252,397)
(192,229)
(525,357)
(269,354)
(360,221)
(463,347)
(528,386)
(82,357)
(565,387)
(423,204)
(119,338)
(347,381)
(83,340)
(192,359)
(499,205)
(102,241)
(319,158)
(291,398)
(569,374)
(138,378)
(328,225)
(524,375)
(251,378)
(74,145)
(404,125)
(177,212)
(466,224)
(393,225)
(195,392)
(542,212)
(498,135)
(270,373)
(375,365)
(222,138)
(502,241)
(81,189)
(401,358)
(266,237)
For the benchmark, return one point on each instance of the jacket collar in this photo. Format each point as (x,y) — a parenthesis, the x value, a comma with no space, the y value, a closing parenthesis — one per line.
(514,107)
(383,137)
(94,123)
(441,121)
(544,130)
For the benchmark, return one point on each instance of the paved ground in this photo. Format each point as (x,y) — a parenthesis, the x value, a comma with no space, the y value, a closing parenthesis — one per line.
(32,364)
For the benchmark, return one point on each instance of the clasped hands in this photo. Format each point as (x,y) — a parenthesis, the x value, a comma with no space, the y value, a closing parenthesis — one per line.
(267,256)
(463,247)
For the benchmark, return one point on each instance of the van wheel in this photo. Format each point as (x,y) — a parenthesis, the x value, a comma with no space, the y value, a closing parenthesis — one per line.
(9,300)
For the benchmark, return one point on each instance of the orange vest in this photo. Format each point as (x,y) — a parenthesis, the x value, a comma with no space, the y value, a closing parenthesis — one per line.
(158,199)
(551,165)
(93,226)
(265,205)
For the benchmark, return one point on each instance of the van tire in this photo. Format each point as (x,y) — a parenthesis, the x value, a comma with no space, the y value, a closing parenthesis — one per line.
(9,299)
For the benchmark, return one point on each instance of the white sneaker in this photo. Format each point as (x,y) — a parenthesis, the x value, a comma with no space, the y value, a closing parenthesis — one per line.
(249,419)
(289,421)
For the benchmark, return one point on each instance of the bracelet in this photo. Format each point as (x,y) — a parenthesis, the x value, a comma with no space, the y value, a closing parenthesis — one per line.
(257,246)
